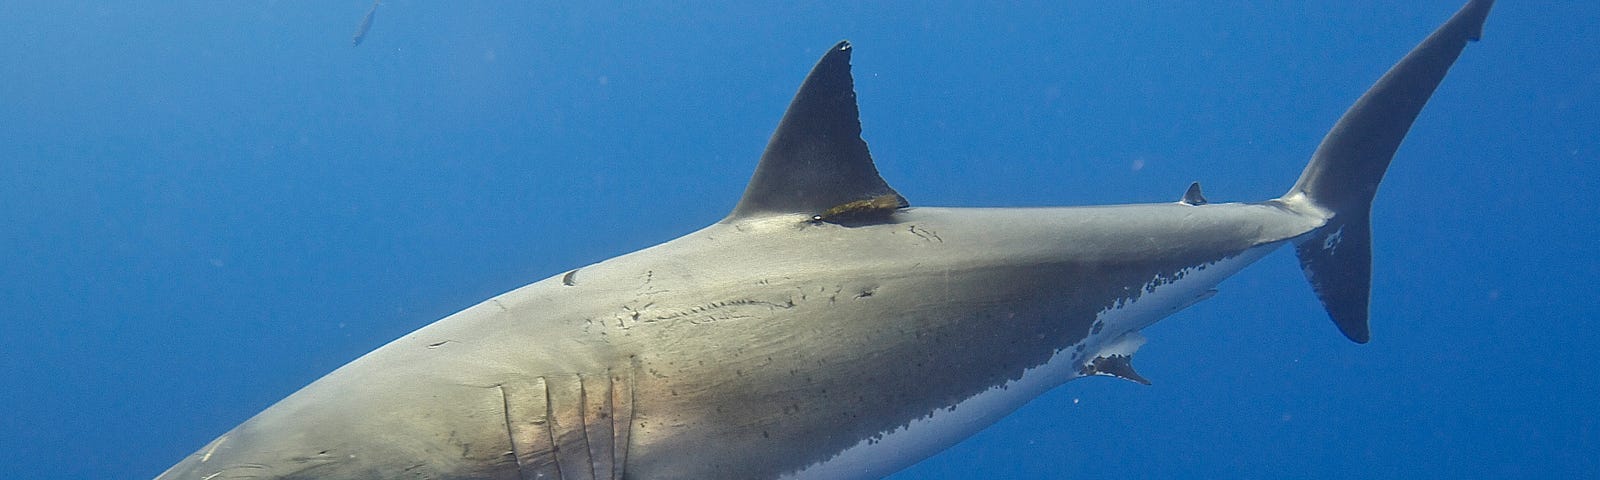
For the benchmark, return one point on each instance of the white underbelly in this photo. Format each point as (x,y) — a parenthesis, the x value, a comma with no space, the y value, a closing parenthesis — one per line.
(902,446)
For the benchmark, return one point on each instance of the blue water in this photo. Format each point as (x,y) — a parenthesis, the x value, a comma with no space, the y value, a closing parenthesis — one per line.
(205,205)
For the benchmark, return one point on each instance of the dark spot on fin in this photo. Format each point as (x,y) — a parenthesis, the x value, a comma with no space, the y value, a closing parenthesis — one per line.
(570,279)
(816,160)
(1120,366)
(1193,195)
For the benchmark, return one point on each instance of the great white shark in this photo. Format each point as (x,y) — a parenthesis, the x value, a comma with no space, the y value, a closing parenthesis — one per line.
(825,328)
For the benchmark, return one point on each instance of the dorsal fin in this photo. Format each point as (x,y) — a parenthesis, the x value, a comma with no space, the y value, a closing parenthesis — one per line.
(816,160)
(1193,195)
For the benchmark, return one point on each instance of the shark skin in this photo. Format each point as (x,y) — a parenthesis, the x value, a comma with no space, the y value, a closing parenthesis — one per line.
(825,328)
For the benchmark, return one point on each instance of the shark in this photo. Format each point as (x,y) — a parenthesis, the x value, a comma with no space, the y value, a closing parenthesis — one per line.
(826,328)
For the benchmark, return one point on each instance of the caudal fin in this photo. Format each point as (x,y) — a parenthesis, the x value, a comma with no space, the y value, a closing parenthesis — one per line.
(1343,174)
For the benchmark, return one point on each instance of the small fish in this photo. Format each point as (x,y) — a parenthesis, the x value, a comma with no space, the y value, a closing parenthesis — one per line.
(366,24)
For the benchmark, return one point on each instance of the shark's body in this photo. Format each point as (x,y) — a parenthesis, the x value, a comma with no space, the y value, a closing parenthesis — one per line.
(824,329)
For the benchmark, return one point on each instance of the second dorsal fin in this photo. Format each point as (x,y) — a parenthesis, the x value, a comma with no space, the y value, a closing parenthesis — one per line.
(1193,195)
(816,161)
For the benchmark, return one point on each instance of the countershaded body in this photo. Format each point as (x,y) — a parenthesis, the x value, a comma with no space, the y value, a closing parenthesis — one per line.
(752,360)
(823,329)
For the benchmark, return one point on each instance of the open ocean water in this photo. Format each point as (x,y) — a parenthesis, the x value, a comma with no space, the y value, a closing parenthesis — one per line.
(206,205)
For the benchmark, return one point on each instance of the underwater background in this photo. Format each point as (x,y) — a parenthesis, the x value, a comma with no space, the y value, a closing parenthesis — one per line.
(206,205)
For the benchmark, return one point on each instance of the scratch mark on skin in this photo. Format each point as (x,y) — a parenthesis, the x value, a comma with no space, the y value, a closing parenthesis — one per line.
(706,308)
(926,234)
(250,466)
(439,344)
(570,279)
(646,288)
(633,314)
(213,449)
(501,305)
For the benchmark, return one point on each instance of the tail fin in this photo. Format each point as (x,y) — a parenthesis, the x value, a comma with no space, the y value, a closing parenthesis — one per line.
(1343,174)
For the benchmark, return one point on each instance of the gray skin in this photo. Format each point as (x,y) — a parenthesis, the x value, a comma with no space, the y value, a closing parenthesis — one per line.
(824,329)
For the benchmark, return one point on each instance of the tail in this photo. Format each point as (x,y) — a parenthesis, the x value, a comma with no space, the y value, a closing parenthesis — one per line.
(1339,182)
